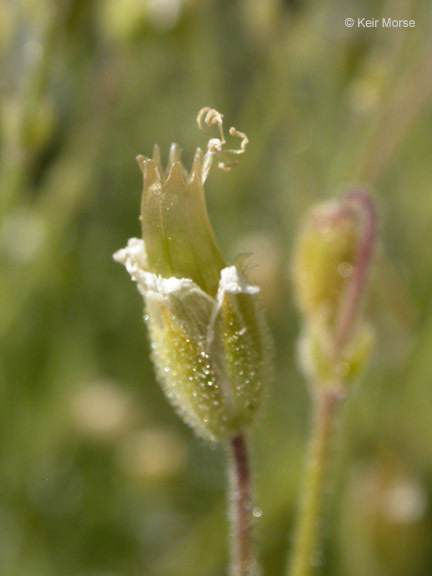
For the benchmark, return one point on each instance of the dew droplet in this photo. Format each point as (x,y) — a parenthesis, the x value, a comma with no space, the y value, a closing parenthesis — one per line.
(257,512)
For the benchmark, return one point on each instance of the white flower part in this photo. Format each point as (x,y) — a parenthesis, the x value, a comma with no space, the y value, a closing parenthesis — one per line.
(152,286)
(134,258)
(233,282)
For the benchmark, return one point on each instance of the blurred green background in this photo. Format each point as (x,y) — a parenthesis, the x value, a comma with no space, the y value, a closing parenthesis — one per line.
(98,476)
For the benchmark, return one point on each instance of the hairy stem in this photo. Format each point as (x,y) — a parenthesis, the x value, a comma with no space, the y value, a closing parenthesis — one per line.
(306,542)
(240,508)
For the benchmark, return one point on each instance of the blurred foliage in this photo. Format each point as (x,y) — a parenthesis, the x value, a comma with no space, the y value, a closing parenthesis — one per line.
(98,477)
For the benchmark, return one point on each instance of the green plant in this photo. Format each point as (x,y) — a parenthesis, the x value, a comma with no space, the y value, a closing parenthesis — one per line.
(331,264)
(209,340)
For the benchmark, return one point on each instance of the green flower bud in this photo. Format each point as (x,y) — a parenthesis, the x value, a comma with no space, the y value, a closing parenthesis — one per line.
(330,266)
(209,339)
(324,259)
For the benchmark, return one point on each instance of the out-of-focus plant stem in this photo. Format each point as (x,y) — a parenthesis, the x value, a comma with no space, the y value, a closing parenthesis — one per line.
(412,94)
(327,392)
(240,502)
(306,552)
(15,157)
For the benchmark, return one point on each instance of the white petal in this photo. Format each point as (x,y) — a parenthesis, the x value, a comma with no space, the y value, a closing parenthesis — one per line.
(133,257)
(197,304)
(233,282)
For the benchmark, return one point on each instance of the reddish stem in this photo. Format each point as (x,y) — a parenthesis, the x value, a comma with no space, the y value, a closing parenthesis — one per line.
(362,203)
(240,511)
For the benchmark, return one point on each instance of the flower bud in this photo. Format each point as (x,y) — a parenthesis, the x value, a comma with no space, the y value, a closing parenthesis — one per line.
(324,259)
(330,267)
(209,341)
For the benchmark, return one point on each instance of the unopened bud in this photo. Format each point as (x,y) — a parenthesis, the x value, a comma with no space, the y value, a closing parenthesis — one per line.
(324,259)
(331,263)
